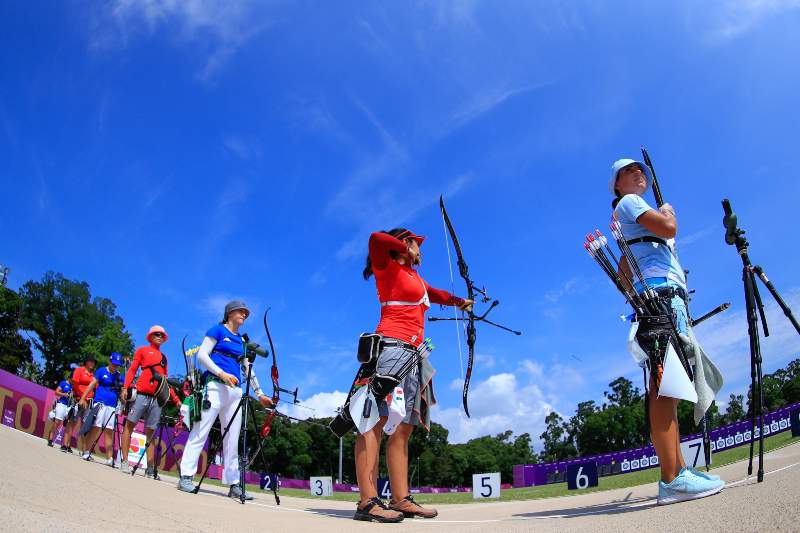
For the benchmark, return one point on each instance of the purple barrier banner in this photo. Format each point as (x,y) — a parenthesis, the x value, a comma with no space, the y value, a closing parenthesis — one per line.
(25,406)
(722,438)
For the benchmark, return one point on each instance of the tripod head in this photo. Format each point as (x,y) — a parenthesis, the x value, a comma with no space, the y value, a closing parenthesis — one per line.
(733,234)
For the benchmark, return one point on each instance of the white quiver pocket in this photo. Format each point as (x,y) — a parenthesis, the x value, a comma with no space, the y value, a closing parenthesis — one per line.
(638,354)
(397,410)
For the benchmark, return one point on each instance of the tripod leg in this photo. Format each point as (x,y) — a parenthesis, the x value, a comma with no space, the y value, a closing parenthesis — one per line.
(771,288)
(756,392)
(157,451)
(706,441)
(260,453)
(91,450)
(211,457)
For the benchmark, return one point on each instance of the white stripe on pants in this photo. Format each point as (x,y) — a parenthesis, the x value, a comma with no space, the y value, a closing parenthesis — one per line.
(224,401)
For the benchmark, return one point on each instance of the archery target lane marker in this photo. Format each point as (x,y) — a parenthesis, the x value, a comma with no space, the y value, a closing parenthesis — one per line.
(693,453)
(384,488)
(321,486)
(486,486)
(582,476)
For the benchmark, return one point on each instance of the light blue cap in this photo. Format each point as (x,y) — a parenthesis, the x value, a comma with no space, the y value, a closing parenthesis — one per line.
(619,164)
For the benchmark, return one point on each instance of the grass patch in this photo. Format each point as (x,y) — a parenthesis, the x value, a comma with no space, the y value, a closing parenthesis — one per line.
(560,489)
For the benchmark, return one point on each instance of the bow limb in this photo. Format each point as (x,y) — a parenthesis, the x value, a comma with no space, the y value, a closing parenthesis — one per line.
(471,334)
(276,389)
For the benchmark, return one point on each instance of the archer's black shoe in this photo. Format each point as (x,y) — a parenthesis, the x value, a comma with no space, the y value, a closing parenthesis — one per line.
(49,443)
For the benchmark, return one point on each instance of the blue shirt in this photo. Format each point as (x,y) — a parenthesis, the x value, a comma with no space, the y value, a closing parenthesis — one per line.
(655,260)
(107,381)
(228,350)
(66,388)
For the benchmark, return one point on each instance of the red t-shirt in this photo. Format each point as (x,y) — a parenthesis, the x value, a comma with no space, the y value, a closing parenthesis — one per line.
(145,357)
(402,292)
(81,378)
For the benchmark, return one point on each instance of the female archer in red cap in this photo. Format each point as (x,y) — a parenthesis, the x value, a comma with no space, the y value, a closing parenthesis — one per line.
(404,297)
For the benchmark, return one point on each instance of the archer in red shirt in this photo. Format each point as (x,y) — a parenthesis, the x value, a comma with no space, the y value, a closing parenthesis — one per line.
(81,378)
(405,298)
(150,360)
(403,294)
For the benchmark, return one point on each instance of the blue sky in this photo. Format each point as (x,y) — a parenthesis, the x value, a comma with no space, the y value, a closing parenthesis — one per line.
(177,154)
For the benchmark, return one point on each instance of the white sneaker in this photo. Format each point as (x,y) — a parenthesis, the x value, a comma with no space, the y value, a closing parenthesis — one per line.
(110,462)
(124,467)
(87,456)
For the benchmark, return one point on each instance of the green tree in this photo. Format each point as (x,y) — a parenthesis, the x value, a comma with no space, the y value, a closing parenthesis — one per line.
(66,319)
(555,440)
(15,351)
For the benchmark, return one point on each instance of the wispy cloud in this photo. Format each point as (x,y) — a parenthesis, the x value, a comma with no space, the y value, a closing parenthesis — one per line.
(697,236)
(216,27)
(735,18)
(483,104)
(242,148)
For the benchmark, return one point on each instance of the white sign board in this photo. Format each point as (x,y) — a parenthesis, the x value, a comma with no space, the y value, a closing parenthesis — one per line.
(321,486)
(136,455)
(693,453)
(486,486)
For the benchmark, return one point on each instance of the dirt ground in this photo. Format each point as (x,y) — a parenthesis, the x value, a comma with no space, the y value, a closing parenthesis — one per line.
(45,490)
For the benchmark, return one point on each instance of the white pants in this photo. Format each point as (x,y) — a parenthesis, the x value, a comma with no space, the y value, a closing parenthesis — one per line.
(224,401)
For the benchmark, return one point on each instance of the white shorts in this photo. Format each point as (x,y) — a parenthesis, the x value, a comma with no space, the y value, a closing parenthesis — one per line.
(105,415)
(61,411)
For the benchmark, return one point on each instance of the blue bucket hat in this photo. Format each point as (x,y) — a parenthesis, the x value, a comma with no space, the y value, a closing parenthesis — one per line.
(116,359)
(619,164)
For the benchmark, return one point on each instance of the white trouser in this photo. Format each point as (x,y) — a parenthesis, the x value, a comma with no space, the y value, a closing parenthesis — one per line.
(224,401)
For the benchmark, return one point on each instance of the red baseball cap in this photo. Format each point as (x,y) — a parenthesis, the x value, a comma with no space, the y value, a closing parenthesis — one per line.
(408,234)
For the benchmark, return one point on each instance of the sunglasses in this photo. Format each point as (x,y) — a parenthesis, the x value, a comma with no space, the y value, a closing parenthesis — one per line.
(157,335)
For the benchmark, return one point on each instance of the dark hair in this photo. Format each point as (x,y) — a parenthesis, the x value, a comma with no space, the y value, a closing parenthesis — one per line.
(396,232)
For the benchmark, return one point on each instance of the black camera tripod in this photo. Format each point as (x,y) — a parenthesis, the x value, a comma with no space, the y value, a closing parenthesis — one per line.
(755,307)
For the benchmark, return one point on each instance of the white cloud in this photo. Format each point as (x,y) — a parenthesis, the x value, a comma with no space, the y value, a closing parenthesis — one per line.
(501,402)
(322,404)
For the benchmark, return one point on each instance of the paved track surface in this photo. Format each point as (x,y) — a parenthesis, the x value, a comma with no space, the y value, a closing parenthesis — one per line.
(45,490)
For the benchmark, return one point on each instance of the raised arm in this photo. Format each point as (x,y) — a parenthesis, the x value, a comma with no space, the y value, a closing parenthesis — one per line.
(380,244)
